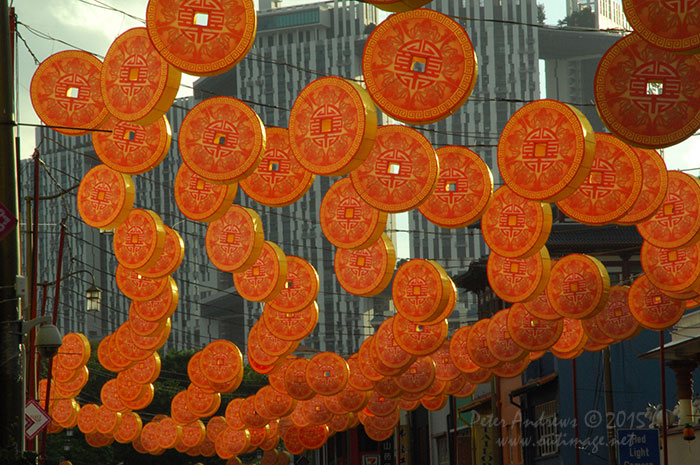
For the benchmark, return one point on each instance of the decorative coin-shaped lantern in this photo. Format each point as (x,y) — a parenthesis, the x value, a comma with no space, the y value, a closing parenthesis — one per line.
(651,307)
(66,94)
(235,240)
(137,83)
(671,26)
(327,373)
(139,240)
(672,270)
(615,319)
(518,279)
(545,150)
(366,272)
(105,197)
(646,95)
(200,199)
(265,279)
(420,290)
(300,288)
(578,286)
(401,171)
(654,187)
(222,139)
(332,126)
(532,333)
(464,189)
(419,66)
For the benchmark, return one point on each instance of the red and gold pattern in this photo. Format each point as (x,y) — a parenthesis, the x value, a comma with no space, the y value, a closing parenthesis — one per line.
(388,350)
(265,279)
(271,344)
(612,186)
(540,306)
(145,371)
(139,240)
(221,361)
(235,240)
(199,199)
(358,379)
(676,223)
(131,148)
(74,352)
(673,26)
(366,272)
(676,271)
(578,286)
(651,307)
(419,66)
(595,334)
(66,94)
(327,373)
(419,375)
(532,333)
(419,339)
(648,96)
(291,326)
(313,436)
(222,139)
(398,6)
(352,400)
(171,257)
(332,126)
(572,339)
(160,307)
(478,348)
(654,188)
(458,351)
(546,150)
(514,226)
(616,320)
(420,290)
(518,279)
(511,369)
(279,180)
(464,189)
(105,197)
(140,288)
(498,339)
(348,221)
(129,428)
(300,288)
(137,84)
(295,380)
(400,172)
(199,37)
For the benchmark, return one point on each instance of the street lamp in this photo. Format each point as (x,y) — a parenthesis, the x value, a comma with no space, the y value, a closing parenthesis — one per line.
(94,298)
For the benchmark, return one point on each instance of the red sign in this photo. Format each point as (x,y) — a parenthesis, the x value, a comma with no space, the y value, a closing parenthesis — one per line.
(35,419)
(8,222)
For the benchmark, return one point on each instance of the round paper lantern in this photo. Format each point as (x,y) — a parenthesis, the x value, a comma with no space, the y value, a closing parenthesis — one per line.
(104,358)
(222,139)
(651,307)
(125,344)
(499,342)
(511,369)
(483,375)
(388,350)
(420,290)
(65,413)
(578,286)
(449,308)
(130,148)
(676,223)
(98,439)
(654,188)
(434,403)
(646,95)
(74,352)
(315,410)
(540,306)
(199,199)
(467,390)
(458,351)
(127,388)
(532,333)
(233,417)
(109,395)
(129,428)
(142,402)
(270,343)
(514,226)
(295,380)
(235,240)
(357,378)
(292,441)
(261,405)
(332,126)
(259,357)
(381,367)
(571,341)
(230,442)
(366,272)
(477,347)
(66,95)
(377,434)
(87,418)
(594,333)
(419,66)
(419,375)
(279,180)
(518,279)
(333,404)
(300,288)
(105,197)
(264,280)
(202,39)
(171,257)
(612,186)
(160,307)
(327,373)
(169,433)
(347,221)
(455,385)
(381,406)
(463,191)
(666,25)
(291,326)
(221,361)
(545,150)
(297,416)
(352,400)
(387,387)
(139,240)
(202,403)
(142,327)
(145,371)
(400,172)
(193,434)
(676,271)
(313,436)
(137,84)
(279,404)
(616,320)
(138,287)
(419,339)
(215,426)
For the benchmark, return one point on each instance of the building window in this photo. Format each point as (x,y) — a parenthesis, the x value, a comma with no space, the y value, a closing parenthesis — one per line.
(443,450)
(546,420)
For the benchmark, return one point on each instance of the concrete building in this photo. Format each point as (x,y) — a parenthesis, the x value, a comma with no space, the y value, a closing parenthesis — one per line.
(89,252)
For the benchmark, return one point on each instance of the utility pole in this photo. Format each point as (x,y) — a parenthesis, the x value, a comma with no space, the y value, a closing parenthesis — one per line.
(11,357)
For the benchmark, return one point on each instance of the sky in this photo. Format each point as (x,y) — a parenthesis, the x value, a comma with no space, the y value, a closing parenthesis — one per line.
(90,25)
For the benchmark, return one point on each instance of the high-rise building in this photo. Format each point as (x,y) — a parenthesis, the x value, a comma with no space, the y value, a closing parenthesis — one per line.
(88,252)
(294,46)
(609,14)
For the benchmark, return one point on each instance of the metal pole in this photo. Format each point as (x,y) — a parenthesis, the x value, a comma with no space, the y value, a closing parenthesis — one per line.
(662,363)
(454,427)
(11,371)
(34,246)
(609,408)
(576,432)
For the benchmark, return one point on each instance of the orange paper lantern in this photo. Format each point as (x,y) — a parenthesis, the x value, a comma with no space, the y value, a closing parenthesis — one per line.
(265,279)
(671,27)
(366,272)
(578,286)
(105,197)
(519,279)
(235,240)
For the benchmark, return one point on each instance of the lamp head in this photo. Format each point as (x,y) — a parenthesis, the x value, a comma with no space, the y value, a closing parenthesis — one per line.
(48,340)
